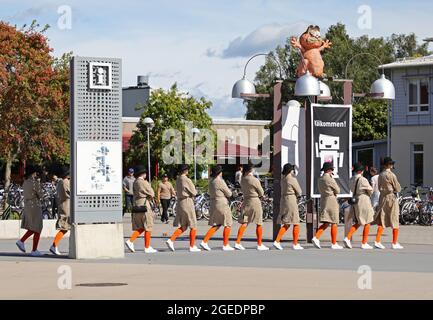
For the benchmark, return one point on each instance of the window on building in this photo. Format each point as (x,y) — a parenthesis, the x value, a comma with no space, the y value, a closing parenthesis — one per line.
(365,156)
(417,164)
(419,95)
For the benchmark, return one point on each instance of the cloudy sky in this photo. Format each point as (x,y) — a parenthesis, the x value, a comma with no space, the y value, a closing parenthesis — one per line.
(203,44)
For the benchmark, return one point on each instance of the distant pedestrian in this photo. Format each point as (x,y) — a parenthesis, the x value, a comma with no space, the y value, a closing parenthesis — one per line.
(32,212)
(164,194)
(330,210)
(220,214)
(128,183)
(289,212)
(64,217)
(238,176)
(142,215)
(374,181)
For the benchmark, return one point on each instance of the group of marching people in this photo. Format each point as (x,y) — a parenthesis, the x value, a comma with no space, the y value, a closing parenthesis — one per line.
(362,212)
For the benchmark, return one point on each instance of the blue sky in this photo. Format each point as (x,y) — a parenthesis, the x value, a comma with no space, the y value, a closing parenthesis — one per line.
(203,45)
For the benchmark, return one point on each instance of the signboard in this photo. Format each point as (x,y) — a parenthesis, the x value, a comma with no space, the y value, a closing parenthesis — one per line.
(332,142)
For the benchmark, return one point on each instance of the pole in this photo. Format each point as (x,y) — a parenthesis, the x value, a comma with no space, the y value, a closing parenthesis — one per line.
(388,135)
(310,202)
(148,154)
(193,154)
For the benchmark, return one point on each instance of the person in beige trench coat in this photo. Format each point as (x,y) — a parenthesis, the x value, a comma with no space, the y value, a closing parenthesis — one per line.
(141,221)
(388,211)
(330,209)
(362,211)
(185,212)
(289,212)
(252,211)
(220,214)
(63,223)
(32,213)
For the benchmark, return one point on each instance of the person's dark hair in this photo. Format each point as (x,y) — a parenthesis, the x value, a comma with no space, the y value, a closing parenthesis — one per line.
(373,171)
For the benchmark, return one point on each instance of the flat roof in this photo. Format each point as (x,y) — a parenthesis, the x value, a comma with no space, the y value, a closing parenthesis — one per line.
(409,62)
(243,122)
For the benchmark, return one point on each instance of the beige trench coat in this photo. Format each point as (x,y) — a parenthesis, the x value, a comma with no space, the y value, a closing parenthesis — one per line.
(252,190)
(143,193)
(290,190)
(185,212)
(219,205)
(329,208)
(388,211)
(32,213)
(64,200)
(362,212)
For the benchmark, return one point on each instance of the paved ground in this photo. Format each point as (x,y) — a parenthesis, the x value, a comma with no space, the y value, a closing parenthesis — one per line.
(288,274)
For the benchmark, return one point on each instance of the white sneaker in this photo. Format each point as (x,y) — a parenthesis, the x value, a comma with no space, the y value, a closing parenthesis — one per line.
(316,243)
(194,249)
(277,245)
(379,245)
(228,248)
(262,247)
(205,246)
(130,245)
(54,250)
(347,243)
(36,253)
(366,246)
(170,244)
(397,246)
(297,247)
(21,246)
(336,246)
(150,250)
(238,246)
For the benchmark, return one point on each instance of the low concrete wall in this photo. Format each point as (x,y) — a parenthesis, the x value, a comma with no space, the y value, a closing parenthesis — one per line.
(11,229)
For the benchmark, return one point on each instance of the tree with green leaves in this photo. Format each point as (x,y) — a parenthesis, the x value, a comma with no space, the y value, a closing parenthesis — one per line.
(169,110)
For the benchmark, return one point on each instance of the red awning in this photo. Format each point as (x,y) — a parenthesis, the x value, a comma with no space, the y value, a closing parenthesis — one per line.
(235,150)
(125,141)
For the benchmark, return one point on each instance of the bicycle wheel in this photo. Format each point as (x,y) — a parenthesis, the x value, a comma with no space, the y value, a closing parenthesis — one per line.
(425,215)
(302,211)
(236,209)
(205,210)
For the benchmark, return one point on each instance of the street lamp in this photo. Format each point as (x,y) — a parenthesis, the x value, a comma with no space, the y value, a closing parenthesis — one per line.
(195,132)
(149,125)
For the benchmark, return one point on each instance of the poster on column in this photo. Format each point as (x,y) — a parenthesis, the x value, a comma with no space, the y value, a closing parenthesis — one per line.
(332,142)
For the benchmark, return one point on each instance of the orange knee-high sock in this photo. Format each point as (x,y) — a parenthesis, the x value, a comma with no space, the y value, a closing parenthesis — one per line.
(394,236)
(365,234)
(59,237)
(322,228)
(176,234)
(226,235)
(192,235)
(36,237)
(259,233)
(281,233)
(26,235)
(352,231)
(295,234)
(379,233)
(210,233)
(135,234)
(147,236)
(241,232)
(334,233)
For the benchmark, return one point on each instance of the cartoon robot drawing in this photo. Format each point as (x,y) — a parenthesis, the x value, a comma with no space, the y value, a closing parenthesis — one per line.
(327,149)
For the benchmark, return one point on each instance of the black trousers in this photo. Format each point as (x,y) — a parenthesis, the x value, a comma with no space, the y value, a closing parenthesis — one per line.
(128,203)
(165,204)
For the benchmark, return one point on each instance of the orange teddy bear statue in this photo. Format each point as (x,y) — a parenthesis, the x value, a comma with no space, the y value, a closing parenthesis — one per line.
(311,44)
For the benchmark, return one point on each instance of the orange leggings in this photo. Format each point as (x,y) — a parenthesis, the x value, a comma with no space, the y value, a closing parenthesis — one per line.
(147,236)
(284,229)
(211,232)
(364,233)
(259,233)
(36,237)
(192,235)
(59,237)
(334,230)
(394,234)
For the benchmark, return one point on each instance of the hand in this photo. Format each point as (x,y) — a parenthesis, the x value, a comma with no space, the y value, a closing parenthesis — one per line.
(327,44)
(295,43)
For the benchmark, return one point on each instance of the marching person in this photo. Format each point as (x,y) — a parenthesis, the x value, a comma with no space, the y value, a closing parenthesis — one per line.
(252,211)
(362,212)
(142,215)
(185,212)
(64,219)
(164,194)
(375,184)
(32,212)
(128,183)
(329,213)
(289,212)
(220,214)
(388,210)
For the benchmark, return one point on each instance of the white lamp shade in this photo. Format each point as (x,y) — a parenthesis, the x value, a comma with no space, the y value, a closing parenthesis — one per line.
(324,90)
(383,86)
(241,87)
(292,103)
(307,85)
(195,131)
(149,122)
